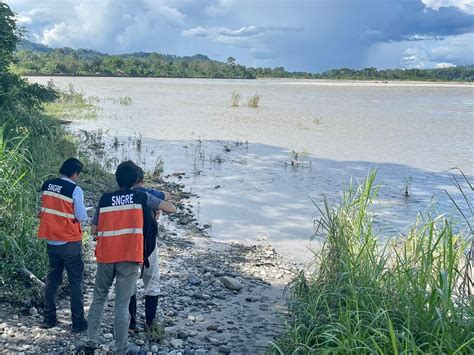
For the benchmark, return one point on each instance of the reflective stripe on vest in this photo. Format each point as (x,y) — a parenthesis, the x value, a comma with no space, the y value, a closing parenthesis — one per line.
(120,234)
(57,220)
(57,213)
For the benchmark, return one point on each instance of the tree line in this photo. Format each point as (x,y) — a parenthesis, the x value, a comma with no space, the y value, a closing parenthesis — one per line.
(34,59)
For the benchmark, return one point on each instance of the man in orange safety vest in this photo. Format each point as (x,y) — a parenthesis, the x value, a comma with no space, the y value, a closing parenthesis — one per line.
(118,225)
(62,210)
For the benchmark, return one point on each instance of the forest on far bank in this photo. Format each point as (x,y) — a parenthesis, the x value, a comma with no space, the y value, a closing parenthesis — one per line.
(36,59)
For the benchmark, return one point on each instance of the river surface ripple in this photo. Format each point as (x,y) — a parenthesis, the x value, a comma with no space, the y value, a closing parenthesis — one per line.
(411,132)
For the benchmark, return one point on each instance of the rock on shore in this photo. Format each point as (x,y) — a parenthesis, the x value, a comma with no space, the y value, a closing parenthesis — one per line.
(215,298)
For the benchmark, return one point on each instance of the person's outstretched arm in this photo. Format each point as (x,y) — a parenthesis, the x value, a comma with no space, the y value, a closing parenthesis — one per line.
(159,205)
(167,207)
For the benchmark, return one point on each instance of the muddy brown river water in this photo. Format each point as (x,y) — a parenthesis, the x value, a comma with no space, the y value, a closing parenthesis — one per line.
(411,132)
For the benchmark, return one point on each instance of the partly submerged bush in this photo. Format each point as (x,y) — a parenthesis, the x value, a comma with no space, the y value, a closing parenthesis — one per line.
(71,103)
(403,297)
(234,99)
(125,100)
(253,101)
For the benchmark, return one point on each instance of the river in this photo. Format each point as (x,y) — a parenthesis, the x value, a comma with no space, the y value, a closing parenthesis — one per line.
(239,160)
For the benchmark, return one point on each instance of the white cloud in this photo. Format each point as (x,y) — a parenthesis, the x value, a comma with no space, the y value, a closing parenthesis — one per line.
(217,33)
(196,32)
(163,10)
(445,65)
(464,5)
(423,54)
(23,20)
(35,15)
(112,26)
(242,32)
(57,35)
(336,33)
(256,40)
(219,7)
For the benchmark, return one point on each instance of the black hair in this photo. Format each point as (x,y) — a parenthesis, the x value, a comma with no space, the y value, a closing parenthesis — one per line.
(141,174)
(126,174)
(70,167)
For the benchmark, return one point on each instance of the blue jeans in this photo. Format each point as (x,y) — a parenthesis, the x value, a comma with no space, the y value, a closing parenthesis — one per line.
(66,256)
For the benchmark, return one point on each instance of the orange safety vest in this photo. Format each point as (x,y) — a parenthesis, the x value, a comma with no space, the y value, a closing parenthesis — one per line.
(57,220)
(120,227)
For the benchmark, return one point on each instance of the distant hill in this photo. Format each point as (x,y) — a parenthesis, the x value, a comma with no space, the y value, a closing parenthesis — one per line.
(37,59)
(25,45)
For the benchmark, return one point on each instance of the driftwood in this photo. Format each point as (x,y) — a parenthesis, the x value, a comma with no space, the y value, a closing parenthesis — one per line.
(32,277)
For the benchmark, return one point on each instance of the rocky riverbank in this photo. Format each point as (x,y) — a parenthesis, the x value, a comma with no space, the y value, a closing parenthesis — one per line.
(216,298)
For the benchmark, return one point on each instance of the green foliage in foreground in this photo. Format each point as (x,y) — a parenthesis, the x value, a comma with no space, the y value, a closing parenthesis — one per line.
(364,298)
(26,137)
(34,59)
(32,148)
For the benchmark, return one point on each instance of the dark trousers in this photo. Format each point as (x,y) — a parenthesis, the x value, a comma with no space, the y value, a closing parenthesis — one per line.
(67,256)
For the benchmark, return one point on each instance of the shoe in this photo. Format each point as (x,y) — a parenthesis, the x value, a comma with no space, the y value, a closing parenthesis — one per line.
(49,324)
(134,330)
(78,328)
(85,349)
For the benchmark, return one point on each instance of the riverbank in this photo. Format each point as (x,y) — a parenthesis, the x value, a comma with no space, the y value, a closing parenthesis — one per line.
(215,297)
(295,81)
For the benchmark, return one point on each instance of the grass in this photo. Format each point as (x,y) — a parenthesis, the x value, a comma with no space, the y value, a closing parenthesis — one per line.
(156,332)
(368,297)
(234,99)
(26,159)
(296,157)
(159,167)
(253,101)
(32,148)
(123,100)
(72,104)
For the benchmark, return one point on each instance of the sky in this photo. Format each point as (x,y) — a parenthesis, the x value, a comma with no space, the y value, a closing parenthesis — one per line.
(300,35)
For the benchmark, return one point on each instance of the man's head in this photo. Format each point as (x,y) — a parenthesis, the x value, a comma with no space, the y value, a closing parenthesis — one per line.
(126,174)
(71,168)
(140,177)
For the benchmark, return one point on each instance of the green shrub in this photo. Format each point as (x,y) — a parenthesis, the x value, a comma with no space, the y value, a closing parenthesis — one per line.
(253,101)
(364,297)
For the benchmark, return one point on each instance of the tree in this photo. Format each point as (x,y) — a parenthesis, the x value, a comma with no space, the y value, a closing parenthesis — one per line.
(9,35)
(231,61)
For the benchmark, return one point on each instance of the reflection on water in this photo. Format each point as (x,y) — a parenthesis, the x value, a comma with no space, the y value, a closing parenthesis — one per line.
(247,192)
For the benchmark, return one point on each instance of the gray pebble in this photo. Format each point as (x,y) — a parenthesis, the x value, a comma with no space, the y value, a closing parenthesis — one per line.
(176,343)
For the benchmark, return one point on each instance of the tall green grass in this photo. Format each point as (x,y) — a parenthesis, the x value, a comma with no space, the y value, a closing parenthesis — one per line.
(28,156)
(366,297)
(32,147)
